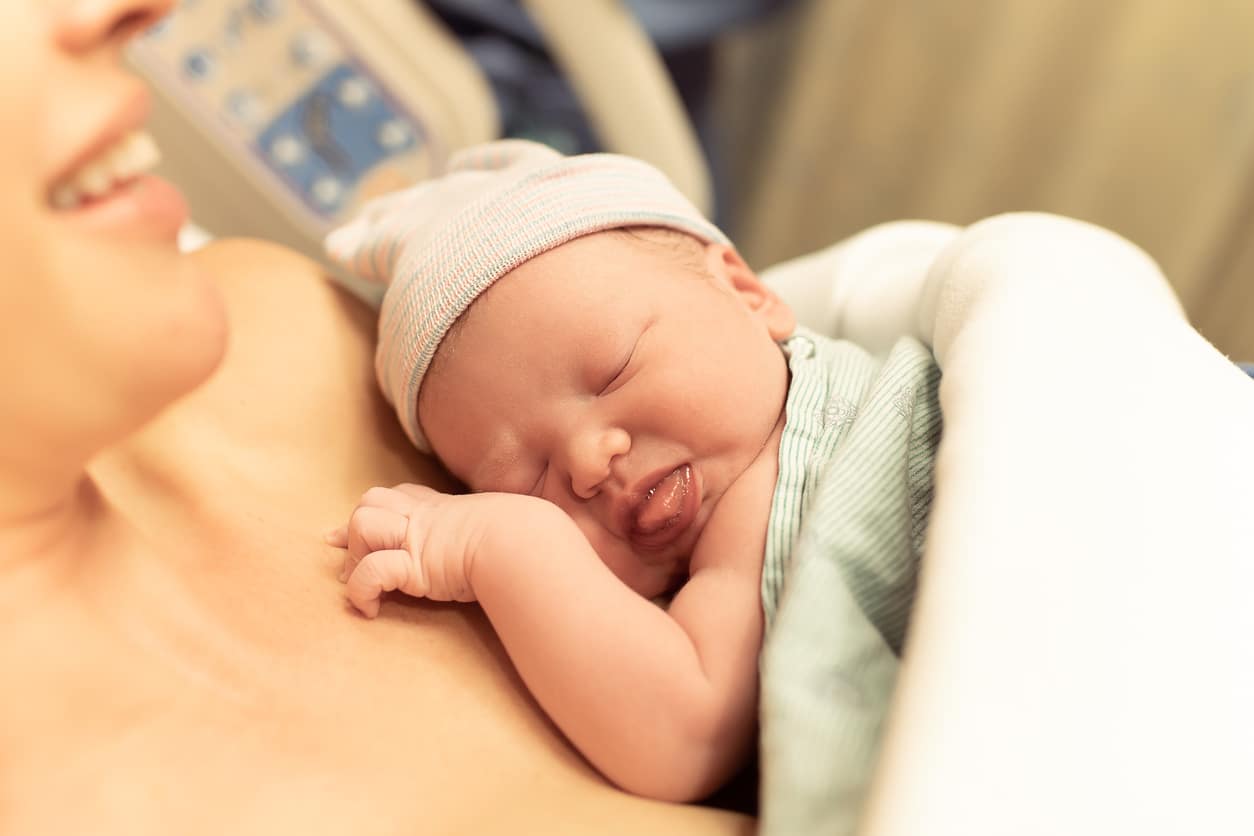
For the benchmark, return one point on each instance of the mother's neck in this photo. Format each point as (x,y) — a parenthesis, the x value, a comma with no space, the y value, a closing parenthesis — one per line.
(45,520)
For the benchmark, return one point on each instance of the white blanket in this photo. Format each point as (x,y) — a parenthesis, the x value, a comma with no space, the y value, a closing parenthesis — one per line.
(1081,655)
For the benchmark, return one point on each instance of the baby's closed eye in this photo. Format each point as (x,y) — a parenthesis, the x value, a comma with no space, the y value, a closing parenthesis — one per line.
(619,370)
(616,375)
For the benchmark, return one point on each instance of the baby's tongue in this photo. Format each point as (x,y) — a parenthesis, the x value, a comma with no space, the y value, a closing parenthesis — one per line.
(664,502)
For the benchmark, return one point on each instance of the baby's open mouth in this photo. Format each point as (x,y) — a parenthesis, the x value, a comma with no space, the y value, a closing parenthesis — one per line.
(664,504)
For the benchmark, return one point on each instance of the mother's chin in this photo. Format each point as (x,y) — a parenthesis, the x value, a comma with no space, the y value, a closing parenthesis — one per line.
(181,337)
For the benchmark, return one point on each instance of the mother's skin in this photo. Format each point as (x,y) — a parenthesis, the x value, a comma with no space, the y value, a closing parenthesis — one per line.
(175,434)
(222,685)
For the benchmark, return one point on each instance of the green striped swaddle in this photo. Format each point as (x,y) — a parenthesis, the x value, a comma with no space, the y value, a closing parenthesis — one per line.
(845,537)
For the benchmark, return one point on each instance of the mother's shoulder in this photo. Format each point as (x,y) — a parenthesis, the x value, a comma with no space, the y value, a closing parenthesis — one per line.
(298,374)
(233,259)
(239,257)
(259,266)
(267,285)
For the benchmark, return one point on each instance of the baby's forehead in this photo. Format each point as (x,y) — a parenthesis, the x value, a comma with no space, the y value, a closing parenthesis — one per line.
(682,248)
(552,286)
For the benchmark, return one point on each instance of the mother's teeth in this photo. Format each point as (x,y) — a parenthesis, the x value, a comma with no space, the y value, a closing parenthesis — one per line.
(64,197)
(132,155)
(94,179)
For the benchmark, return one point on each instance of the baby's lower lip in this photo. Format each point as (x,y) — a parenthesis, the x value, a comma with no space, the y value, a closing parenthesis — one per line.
(664,501)
(668,511)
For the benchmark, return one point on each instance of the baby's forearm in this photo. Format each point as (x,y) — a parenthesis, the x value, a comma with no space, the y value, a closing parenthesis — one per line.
(657,712)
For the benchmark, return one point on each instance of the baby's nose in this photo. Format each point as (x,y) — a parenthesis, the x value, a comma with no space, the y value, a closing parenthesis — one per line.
(592,453)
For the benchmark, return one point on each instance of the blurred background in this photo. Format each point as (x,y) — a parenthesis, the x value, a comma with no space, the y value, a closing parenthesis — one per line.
(1137,115)
(794,122)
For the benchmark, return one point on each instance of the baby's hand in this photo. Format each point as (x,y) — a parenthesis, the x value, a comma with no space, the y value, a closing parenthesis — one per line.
(413,539)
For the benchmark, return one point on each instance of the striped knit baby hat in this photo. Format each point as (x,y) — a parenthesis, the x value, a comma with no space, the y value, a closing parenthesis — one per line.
(439,244)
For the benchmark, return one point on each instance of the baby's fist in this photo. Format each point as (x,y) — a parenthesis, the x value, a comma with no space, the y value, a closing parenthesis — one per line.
(408,538)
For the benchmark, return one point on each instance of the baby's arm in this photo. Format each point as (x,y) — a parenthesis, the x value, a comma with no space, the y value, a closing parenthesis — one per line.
(661,701)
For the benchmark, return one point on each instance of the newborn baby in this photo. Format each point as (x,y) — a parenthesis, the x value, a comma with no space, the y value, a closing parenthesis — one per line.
(637,417)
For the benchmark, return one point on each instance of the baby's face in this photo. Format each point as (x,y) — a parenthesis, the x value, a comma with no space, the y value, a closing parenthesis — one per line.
(611,378)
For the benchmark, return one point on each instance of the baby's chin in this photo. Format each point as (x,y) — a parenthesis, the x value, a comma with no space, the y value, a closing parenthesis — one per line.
(658,580)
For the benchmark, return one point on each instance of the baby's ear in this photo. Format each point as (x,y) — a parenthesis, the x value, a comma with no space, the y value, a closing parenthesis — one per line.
(731,271)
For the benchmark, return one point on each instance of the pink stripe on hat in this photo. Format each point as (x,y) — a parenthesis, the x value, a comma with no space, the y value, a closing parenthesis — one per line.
(439,244)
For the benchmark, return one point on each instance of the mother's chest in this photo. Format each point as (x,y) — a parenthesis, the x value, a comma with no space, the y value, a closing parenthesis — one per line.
(292,422)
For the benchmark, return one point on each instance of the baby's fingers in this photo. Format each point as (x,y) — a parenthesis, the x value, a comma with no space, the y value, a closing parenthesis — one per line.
(380,572)
(337,537)
(419,493)
(372,529)
(391,499)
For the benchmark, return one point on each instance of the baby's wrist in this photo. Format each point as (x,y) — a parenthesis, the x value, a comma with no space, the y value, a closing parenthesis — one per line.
(517,532)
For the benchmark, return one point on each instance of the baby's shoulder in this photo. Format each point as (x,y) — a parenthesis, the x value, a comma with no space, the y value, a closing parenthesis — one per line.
(735,535)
